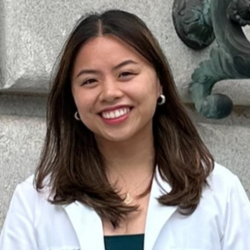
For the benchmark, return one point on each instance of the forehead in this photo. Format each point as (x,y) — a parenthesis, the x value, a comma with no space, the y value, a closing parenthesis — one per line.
(106,48)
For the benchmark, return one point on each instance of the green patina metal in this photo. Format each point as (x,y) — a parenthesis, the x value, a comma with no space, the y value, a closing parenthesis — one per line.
(192,20)
(229,60)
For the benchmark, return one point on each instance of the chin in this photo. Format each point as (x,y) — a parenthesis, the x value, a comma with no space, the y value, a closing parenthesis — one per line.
(114,137)
(117,139)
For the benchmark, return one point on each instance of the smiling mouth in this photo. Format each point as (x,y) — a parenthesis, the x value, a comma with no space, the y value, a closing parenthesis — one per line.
(114,114)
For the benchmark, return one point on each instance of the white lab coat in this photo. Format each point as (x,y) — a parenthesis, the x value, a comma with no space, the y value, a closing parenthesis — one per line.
(221,221)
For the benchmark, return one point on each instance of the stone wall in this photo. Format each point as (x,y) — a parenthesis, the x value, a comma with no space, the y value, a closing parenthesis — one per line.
(32,33)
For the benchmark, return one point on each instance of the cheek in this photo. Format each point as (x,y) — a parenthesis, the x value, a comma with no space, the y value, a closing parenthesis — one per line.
(151,90)
(159,89)
(83,103)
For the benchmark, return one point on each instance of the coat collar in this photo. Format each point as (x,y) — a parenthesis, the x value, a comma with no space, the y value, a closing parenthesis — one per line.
(157,214)
(88,225)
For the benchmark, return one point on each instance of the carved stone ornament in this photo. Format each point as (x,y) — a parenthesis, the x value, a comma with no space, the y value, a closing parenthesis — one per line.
(229,60)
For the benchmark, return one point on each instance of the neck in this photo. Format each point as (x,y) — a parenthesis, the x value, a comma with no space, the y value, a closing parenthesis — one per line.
(128,162)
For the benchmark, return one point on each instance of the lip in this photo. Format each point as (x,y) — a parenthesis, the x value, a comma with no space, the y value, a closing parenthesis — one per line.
(114,108)
(115,121)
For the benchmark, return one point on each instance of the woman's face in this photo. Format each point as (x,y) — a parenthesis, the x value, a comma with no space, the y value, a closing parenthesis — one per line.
(115,89)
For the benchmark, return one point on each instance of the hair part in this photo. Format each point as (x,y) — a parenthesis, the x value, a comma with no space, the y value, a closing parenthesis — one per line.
(71,159)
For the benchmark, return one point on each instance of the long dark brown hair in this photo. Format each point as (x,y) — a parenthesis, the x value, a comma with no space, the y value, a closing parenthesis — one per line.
(71,159)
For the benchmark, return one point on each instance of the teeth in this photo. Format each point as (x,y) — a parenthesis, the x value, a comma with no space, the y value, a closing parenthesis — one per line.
(115,114)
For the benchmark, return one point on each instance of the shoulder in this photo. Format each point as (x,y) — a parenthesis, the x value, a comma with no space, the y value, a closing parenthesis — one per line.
(27,186)
(28,183)
(227,196)
(26,192)
(223,183)
(221,175)
(26,203)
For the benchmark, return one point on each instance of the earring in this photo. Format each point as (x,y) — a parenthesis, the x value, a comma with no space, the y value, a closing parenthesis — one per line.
(161,100)
(77,117)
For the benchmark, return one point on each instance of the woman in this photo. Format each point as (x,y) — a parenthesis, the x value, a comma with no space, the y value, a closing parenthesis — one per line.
(123,167)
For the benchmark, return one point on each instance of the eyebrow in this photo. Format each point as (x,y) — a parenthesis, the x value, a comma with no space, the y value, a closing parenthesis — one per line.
(91,71)
(124,64)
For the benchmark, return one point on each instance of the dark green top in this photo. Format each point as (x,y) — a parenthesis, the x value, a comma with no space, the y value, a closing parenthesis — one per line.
(124,242)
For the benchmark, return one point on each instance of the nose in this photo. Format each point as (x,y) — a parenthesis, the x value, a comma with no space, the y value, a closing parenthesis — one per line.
(110,91)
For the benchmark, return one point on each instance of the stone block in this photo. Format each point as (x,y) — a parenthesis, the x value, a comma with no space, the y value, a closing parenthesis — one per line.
(32,33)
(21,140)
(231,147)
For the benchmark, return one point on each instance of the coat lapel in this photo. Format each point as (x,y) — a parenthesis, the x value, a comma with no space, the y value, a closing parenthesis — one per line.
(157,214)
(87,225)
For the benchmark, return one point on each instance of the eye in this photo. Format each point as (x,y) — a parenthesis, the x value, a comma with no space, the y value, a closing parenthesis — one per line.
(88,82)
(126,74)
